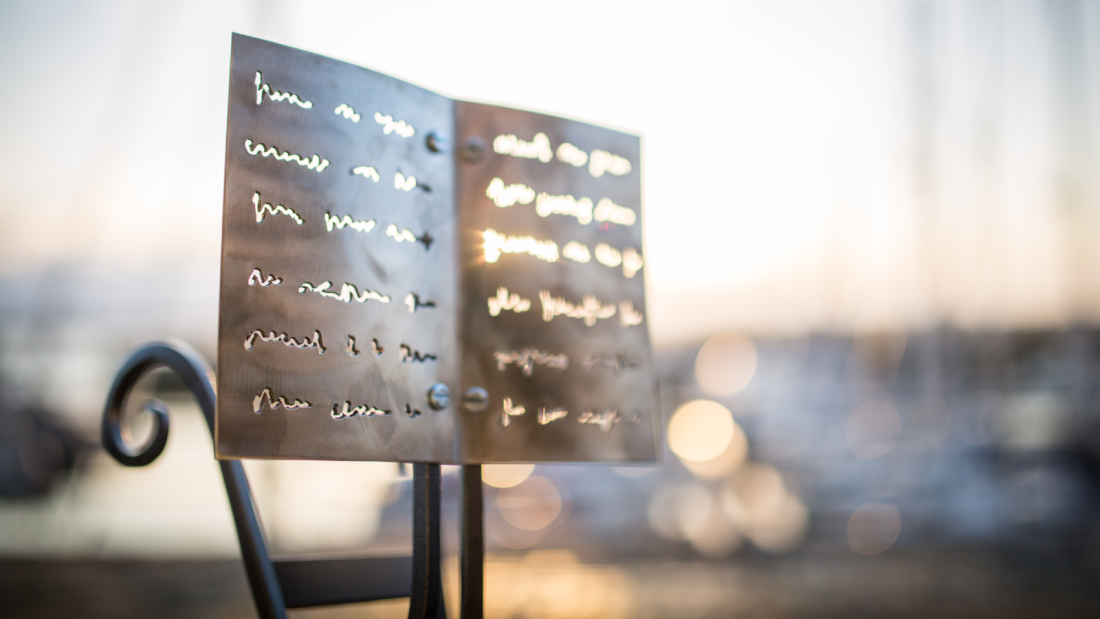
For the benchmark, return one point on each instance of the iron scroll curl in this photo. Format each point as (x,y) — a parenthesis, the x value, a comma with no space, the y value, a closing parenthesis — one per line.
(188,364)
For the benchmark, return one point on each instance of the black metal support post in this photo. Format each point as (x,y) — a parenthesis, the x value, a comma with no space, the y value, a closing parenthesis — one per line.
(473,543)
(426,601)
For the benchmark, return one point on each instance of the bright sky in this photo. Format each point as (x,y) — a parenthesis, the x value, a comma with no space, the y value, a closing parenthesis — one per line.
(779,137)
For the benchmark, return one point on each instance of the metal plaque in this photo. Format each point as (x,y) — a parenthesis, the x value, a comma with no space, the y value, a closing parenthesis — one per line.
(358,276)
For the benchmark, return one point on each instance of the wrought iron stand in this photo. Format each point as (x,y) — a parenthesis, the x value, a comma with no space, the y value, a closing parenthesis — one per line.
(281,584)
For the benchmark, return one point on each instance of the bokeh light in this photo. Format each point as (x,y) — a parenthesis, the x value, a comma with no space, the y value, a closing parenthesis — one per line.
(758,502)
(725,463)
(873,528)
(873,429)
(530,505)
(505,475)
(725,364)
(700,430)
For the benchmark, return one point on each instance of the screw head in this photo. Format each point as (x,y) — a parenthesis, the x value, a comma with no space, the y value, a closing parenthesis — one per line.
(437,142)
(476,400)
(473,149)
(439,396)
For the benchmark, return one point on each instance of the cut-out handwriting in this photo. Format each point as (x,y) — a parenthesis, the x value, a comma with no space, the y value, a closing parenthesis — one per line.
(590,309)
(389,125)
(407,235)
(411,412)
(600,161)
(567,153)
(526,359)
(313,163)
(332,222)
(362,410)
(507,195)
(506,301)
(547,205)
(256,277)
(604,419)
(632,262)
(348,292)
(413,301)
(278,209)
(497,244)
(628,316)
(376,348)
(348,112)
(274,403)
(289,342)
(608,255)
(351,349)
(609,212)
(404,183)
(275,95)
(408,354)
(577,252)
(546,415)
(510,411)
(611,257)
(366,172)
(611,363)
(538,148)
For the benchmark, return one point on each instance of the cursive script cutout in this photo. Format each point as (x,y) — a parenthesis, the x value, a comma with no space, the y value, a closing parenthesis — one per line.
(567,153)
(413,301)
(510,411)
(289,342)
(348,292)
(590,309)
(506,301)
(611,363)
(497,244)
(256,277)
(266,209)
(339,223)
(275,95)
(389,125)
(404,183)
(366,172)
(274,403)
(577,252)
(604,419)
(628,316)
(348,112)
(507,195)
(600,161)
(537,148)
(408,354)
(547,415)
(312,163)
(527,358)
(376,348)
(351,349)
(362,410)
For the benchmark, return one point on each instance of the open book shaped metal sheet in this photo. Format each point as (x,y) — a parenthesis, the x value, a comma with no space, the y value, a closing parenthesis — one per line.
(406,277)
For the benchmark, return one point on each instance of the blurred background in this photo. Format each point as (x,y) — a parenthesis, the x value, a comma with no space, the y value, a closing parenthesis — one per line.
(873,271)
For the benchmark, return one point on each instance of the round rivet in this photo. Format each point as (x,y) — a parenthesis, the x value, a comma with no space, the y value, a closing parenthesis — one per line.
(473,149)
(437,142)
(476,400)
(439,396)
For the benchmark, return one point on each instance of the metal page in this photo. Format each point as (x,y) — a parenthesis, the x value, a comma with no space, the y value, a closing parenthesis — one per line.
(338,291)
(553,313)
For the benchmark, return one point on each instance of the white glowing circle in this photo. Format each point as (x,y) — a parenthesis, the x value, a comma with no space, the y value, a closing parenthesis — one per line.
(700,430)
(725,364)
(531,505)
(726,463)
(873,528)
(505,475)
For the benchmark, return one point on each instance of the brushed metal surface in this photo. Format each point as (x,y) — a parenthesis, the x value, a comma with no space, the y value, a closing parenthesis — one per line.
(628,392)
(392,381)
